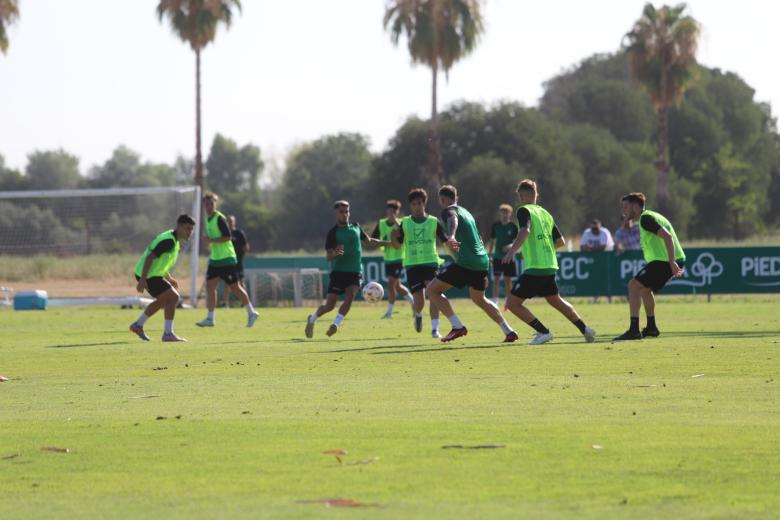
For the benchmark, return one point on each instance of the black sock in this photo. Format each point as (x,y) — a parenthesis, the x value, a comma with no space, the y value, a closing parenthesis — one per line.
(634,325)
(580,325)
(538,327)
(651,322)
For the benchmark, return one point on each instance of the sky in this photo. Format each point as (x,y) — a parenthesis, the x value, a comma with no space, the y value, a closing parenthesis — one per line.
(89,75)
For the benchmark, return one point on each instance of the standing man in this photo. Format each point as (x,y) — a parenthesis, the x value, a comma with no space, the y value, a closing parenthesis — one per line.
(241,247)
(393,257)
(344,249)
(470,267)
(223,263)
(538,239)
(153,274)
(627,237)
(664,259)
(417,234)
(502,234)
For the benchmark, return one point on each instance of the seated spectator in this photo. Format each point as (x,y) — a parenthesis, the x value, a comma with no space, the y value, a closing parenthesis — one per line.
(596,238)
(627,237)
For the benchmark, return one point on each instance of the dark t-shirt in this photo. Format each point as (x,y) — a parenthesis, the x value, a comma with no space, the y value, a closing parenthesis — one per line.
(650,224)
(523,216)
(503,235)
(239,243)
(441,233)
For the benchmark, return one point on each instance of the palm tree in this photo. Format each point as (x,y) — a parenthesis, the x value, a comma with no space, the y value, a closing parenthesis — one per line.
(662,54)
(9,12)
(439,33)
(195,22)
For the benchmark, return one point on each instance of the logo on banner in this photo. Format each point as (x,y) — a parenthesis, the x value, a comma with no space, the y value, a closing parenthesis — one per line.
(705,268)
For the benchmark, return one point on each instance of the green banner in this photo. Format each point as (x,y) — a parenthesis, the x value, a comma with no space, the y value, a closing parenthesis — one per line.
(714,270)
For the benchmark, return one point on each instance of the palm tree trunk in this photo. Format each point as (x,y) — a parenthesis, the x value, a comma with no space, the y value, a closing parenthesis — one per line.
(434,140)
(198,156)
(663,197)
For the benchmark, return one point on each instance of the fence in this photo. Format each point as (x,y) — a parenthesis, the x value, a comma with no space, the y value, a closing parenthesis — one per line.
(707,271)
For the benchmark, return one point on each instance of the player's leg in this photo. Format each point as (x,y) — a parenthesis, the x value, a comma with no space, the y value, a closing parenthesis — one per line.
(226,297)
(212,280)
(496,285)
(648,300)
(392,289)
(477,296)
(507,289)
(156,287)
(251,314)
(527,287)
(330,302)
(434,313)
(171,300)
(436,290)
(570,312)
(634,303)
(346,305)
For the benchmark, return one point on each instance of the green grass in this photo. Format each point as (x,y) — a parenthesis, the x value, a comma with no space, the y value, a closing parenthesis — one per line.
(248,413)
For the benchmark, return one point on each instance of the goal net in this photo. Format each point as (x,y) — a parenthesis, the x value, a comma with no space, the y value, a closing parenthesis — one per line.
(97,225)
(284,287)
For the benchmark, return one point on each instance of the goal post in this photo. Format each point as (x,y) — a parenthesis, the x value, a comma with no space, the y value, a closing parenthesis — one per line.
(277,287)
(86,222)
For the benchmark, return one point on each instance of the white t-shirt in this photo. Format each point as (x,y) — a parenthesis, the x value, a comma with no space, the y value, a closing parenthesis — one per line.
(602,238)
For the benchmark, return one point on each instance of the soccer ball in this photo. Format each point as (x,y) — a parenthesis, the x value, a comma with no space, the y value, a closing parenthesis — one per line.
(373,292)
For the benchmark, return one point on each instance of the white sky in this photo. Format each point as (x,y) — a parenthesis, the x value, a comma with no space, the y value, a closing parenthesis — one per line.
(88,75)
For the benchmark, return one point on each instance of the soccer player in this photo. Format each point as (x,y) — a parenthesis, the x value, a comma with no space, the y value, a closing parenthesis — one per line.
(470,267)
(502,234)
(241,246)
(417,234)
(538,239)
(393,258)
(152,272)
(344,248)
(223,263)
(664,258)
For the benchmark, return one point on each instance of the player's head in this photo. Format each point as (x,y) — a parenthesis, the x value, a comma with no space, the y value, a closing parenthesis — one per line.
(232,221)
(393,208)
(633,204)
(418,198)
(210,201)
(342,211)
(505,213)
(527,193)
(184,226)
(448,195)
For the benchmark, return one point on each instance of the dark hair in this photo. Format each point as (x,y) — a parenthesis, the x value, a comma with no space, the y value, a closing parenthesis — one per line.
(340,204)
(418,193)
(210,195)
(527,185)
(394,204)
(635,197)
(505,207)
(185,219)
(448,191)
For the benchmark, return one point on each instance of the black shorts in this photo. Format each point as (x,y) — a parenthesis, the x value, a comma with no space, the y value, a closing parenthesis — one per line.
(156,285)
(459,276)
(508,270)
(655,274)
(418,276)
(340,281)
(393,270)
(228,273)
(529,285)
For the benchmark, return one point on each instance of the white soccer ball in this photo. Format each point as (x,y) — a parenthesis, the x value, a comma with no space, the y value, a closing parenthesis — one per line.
(373,292)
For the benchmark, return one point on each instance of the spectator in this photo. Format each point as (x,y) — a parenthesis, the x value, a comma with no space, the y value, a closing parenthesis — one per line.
(627,237)
(596,238)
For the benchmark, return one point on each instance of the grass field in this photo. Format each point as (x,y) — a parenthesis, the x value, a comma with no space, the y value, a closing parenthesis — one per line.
(235,422)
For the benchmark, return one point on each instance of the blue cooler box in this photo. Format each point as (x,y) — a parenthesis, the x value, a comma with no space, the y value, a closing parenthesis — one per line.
(31,300)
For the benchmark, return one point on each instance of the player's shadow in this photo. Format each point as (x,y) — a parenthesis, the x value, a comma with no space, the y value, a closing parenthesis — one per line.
(720,334)
(76,345)
(359,349)
(442,349)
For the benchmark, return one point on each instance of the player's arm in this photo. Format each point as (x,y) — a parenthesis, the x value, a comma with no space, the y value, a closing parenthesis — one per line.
(224,230)
(558,239)
(669,243)
(397,237)
(141,285)
(524,229)
(371,241)
(491,241)
(450,217)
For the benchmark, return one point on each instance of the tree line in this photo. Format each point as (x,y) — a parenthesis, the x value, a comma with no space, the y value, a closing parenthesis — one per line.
(589,141)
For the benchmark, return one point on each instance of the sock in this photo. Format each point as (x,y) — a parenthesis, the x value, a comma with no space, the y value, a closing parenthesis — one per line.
(390,308)
(338,320)
(580,325)
(651,322)
(313,317)
(418,314)
(456,324)
(634,325)
(249,308)
(505,327)
(435,324)
(210,315)
(142,319)
(169,326)
(538,327)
